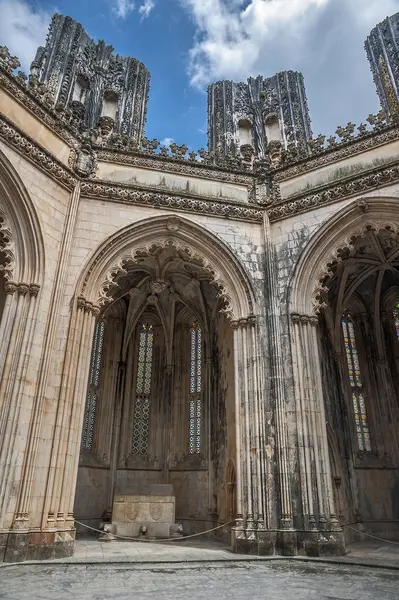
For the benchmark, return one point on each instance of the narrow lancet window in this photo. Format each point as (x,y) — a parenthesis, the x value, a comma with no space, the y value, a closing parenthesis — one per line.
(143,390)
(358,397)
(195,389)
(93,387)
(396,319)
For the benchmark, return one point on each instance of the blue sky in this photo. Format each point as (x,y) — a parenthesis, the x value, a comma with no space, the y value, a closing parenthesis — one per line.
(187,44)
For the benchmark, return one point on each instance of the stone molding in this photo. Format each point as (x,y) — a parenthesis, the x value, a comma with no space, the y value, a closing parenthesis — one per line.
(26,146)
(158,162)
(26,97)
(54,120)
(346,188)
(373,179)
(334,154)
(142,239)
(130,195)
(120,193)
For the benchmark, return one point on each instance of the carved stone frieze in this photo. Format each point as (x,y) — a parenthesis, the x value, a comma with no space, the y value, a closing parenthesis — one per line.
(339,152)
(120,193)
(44,160)
(347,248)
(25,95)
(7,248)
(345,188)
(158,162)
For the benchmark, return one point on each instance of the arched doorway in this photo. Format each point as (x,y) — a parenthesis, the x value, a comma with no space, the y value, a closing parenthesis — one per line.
(160,401)
(350,280)
(159,286)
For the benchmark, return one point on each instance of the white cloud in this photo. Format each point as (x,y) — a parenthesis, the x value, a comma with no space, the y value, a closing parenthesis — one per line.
(123,8)
(22,29)
(146,8)
(322,38)
(167,141)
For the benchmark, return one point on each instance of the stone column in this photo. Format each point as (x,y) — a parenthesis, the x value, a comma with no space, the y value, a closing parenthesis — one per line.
(315,472)
(250,464)
(70,430)
(286,538)
(17,328)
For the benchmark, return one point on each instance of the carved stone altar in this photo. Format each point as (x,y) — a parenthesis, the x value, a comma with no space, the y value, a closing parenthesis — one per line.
(152,506)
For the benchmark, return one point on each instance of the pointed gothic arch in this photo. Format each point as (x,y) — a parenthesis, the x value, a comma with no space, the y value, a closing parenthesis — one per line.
(22,275)
(325,247)
(20,228)
(140,239)
(153,261)
(351,263)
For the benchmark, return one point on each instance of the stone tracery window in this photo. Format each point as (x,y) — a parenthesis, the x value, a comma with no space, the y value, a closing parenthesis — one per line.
(195,388)
(93,387)
(143,390)
(396,319)
(357,390)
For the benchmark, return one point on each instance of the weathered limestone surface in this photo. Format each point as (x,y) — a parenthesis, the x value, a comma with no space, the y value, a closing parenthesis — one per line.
(153,508)
(245,399)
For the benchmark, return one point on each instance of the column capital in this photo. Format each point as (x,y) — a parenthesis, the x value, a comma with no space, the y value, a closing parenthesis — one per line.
(296,318)
(34,289)
(244,322)
(10,287)
(23,289)
(87,306)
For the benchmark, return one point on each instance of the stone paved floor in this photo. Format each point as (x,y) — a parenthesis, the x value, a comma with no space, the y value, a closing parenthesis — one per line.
(275,580)
(369,552)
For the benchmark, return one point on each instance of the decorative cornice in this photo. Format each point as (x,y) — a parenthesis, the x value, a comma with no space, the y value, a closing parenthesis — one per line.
(327,194)
(37,154)
(120,193)
(342,151)
(170,165)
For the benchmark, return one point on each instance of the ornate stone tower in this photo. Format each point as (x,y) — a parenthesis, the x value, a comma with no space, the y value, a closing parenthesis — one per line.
(382,47)
(101,89)
(258,116)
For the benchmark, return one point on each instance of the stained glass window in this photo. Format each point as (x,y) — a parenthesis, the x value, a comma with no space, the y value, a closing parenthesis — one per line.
(396,319)
(93,387)
(143,390)
(357,390)
(195,389)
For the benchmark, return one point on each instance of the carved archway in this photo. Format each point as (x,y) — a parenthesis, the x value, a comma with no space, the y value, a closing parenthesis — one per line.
(142,240)
(149,261)
(329,245)
(20,233)
(347,270)
(22,272)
